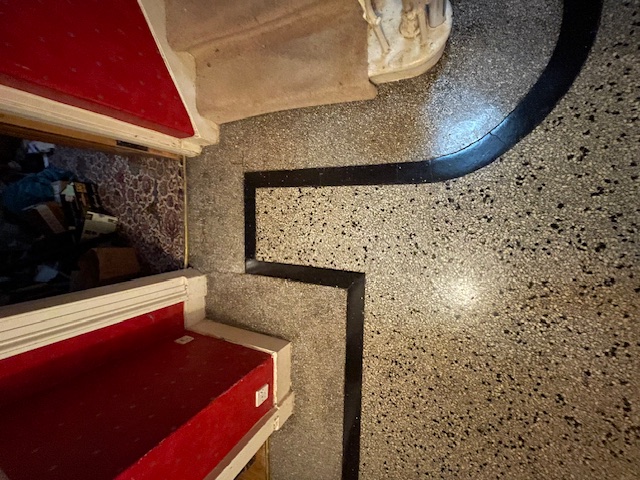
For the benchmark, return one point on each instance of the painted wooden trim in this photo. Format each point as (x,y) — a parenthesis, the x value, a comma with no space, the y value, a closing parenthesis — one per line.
(182,68)
(279,349)
(19,127)
(31,325)
(33,107)
(239,456)
(195,304)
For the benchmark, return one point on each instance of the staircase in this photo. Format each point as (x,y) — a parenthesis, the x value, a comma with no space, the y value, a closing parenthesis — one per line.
(172,71)
(131,382)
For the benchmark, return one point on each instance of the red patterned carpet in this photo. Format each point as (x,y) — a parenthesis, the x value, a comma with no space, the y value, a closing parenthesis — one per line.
(145,193)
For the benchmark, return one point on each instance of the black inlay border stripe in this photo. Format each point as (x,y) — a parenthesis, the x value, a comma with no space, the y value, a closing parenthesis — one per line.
(580,23)
(580,20)
(353,283)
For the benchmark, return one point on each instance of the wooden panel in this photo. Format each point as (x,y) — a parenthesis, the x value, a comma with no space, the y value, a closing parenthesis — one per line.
(32,130)
(258,467)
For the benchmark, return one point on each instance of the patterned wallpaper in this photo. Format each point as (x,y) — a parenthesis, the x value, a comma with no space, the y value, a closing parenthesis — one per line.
(147,196)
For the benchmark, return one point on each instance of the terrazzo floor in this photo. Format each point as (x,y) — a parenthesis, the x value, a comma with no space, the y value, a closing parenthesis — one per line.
(501,335)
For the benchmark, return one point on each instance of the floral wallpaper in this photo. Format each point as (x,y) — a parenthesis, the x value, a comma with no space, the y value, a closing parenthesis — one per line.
(147,196)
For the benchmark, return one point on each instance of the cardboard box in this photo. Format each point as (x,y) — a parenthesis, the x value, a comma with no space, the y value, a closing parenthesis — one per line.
(77,199)
(104,266)
(48,218)
(96,224)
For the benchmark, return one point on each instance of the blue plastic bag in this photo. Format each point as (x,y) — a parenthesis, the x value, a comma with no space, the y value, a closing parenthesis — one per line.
(33,189)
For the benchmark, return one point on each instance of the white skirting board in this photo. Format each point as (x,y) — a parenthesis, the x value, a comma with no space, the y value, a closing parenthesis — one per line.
(30,325)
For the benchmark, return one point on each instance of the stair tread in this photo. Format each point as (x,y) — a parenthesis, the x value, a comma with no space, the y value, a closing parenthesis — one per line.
(102,423)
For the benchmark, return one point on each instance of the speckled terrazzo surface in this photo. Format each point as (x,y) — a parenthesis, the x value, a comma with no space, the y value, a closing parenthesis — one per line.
(147,196)
(495,53)
(313,319)
(501,310)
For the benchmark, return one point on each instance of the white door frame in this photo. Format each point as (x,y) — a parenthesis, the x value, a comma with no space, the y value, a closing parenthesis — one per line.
(30,325)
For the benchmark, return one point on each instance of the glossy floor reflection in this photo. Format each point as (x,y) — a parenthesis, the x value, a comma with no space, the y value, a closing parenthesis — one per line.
(496,52)
(499,331)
